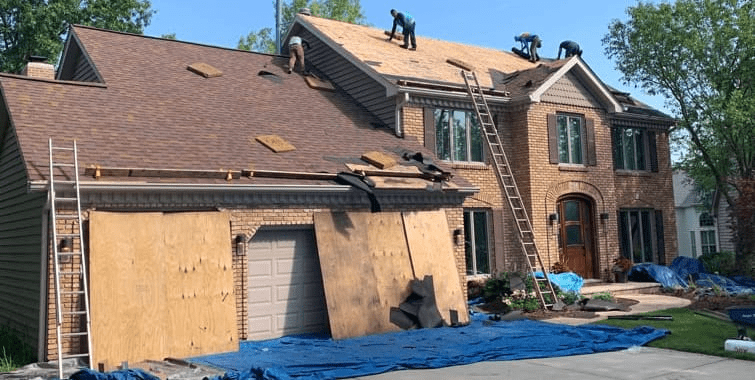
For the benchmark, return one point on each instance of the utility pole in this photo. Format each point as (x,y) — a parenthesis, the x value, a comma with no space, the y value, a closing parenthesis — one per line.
(278,22)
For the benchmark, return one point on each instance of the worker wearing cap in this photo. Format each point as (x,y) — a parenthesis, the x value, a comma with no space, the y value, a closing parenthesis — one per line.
(571,48)
(406,21)
(296,53)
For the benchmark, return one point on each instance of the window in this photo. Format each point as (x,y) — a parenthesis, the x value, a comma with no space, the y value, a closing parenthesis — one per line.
(457,136)
(476,242)
(634,149)
(570,144)
(692,240)
(708,241)
(707,234)
(637,233)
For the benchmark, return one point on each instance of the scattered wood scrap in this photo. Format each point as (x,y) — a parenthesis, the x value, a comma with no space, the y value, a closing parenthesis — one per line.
(460,64)
(399,36)
(318,84)
(275,143)
(205,70)
(379,159)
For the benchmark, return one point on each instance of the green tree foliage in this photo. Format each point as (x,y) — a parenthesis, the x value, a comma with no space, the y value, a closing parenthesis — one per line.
(263,40)
(38,27)
(700,55)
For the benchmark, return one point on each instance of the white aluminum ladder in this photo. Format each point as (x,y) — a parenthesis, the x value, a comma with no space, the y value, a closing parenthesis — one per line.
(71,285)
(542,285)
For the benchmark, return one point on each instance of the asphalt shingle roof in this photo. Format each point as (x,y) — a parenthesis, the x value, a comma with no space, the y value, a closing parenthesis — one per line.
(152,112)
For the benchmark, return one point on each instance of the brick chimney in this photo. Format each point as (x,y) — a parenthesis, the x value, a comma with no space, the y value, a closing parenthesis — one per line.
(39,68)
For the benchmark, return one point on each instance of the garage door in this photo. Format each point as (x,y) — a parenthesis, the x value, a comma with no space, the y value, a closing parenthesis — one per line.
(285,285)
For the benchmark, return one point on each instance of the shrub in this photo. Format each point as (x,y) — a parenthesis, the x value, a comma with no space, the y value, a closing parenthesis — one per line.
(496,286)
(722,263)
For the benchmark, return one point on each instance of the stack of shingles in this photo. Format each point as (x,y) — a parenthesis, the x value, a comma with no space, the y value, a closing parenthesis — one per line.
(419,310)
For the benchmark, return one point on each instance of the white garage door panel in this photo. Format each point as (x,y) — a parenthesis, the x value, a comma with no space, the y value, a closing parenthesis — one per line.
(285,288)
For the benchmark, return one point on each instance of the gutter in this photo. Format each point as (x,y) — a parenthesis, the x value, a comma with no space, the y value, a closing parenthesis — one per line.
(142,186)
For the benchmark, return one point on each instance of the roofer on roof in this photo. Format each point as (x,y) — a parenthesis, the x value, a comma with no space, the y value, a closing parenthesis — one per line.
(571,47)
(296,53)
(406,21)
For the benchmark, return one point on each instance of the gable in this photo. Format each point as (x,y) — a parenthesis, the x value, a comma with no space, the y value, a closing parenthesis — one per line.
(75,64)
(569,90)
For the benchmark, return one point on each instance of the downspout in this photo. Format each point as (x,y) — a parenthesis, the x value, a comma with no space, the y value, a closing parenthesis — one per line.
(401,101)
(43,277)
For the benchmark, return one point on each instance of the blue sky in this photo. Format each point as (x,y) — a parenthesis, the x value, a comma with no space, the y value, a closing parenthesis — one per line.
(490,23)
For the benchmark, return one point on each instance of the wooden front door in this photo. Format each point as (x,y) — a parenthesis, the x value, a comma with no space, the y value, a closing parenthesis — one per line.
(576,235)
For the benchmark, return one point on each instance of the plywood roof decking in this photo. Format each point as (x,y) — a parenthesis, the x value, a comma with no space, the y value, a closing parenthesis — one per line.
(152,112)
(427,62)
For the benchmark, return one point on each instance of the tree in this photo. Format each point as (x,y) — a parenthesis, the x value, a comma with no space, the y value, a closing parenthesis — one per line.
(700,55)
(38,27)
(343,10)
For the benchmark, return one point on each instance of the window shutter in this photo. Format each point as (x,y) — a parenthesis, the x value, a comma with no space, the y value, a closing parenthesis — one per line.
(590,135)
(498,228)
(659,237)
(429,129)
(653,148)
(552,139)
(623,243)
(618,156)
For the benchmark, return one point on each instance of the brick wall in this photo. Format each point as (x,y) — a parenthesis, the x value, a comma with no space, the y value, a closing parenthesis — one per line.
(523,131)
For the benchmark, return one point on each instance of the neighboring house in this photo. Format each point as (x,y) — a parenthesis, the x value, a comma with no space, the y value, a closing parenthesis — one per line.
(592,164)
(702,224)
(188,255)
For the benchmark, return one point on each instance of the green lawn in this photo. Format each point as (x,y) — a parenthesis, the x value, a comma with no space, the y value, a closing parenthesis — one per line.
(690,332)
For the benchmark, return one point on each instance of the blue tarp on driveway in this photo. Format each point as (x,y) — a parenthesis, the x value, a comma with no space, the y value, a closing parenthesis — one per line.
(319,357)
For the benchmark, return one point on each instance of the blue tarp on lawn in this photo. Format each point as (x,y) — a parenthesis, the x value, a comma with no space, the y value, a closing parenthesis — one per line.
(319,357)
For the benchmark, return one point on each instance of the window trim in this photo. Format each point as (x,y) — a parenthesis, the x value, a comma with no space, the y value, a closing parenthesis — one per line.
(649,149)
(470,238)
(470,117)
(587,140)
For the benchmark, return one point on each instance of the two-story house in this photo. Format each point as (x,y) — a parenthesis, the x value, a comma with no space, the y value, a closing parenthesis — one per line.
(592,164)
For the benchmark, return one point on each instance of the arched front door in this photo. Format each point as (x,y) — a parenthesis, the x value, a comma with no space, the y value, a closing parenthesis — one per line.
(576,235)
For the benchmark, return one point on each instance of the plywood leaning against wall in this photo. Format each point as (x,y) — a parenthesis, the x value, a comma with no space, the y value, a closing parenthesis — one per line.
(369,259)
(161,285)
(432,253)
(365,269)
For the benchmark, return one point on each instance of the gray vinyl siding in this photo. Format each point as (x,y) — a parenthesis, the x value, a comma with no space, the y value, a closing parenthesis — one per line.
(355,82)
(725,231)
(20,241)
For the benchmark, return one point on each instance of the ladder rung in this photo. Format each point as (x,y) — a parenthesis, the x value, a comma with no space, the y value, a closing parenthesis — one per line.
(72,292)
(61,148)
(74,253)
(70,273)
(67,235)
(74,356)
(64,199)
(62,165)
(80,312)
(66,217)
(74,334)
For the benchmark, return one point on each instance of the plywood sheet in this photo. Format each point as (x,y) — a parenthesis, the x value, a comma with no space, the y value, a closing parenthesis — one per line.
(365,267)
(275,143)
(160,285)
(432,253)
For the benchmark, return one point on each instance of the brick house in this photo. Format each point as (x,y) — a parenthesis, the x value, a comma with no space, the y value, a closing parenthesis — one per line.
(592,164)
(186,254)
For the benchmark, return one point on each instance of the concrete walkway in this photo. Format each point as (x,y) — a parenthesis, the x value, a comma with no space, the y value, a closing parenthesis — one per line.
(634,363)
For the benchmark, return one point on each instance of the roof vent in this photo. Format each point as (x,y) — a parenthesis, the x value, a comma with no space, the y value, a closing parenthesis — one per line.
(305,11)
(204,70)
(38,68)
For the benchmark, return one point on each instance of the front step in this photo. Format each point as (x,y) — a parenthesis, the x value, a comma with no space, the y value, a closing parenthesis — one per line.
(591,287)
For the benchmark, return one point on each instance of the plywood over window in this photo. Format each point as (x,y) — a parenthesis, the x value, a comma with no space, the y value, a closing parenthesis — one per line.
(161,285)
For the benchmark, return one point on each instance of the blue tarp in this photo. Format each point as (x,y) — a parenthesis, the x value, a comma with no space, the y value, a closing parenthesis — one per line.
(567,281)
(685,268)
(656,273)
(319,357)
(126,374)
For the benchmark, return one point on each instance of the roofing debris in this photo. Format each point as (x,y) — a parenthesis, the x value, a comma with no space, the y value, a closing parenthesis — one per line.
(460,64)
(204,69)
(379,160)
(275,143)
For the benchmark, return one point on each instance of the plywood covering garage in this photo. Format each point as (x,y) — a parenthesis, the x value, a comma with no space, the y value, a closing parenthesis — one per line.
(369,259)
(161,285)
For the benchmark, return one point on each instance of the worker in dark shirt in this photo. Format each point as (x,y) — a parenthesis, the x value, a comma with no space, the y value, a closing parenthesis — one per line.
(406,21)
(571,48)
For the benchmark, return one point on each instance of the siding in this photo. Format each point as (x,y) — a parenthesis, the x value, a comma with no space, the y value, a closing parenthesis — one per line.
(20,241)
(365,90)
